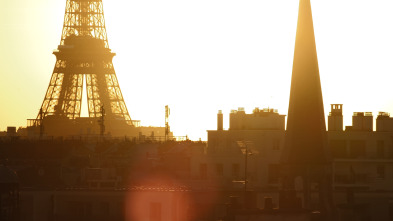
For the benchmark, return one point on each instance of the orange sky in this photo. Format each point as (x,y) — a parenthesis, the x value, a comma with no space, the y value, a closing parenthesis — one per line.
(202,56)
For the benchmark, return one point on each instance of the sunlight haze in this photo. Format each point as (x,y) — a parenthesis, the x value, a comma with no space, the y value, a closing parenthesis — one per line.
(202,56)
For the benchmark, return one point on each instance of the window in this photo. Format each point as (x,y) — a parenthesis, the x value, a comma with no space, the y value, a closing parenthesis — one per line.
(339,148)
(276,144)
(187,164)
(219,169)
(390,211)
(83,209)
(155,211)
(120,209)
(203,170)
(273,173)
(104,208)
(380,149)
(93,173)
(381,171)
(357,149)
(390,152)
(88,209)
(235,170)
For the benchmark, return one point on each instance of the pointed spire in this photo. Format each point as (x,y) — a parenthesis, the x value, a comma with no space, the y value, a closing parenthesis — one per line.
(305,142)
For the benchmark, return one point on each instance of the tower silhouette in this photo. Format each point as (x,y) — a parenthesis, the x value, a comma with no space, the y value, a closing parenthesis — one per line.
(84,57)
(306,154)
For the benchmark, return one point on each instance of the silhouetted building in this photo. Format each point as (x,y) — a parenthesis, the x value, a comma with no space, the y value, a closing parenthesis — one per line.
(141,177)
(9,195)
(136,203)
(363,158)
(263,132)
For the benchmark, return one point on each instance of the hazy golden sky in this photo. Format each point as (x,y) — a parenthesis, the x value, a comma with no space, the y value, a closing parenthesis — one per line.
(202,56)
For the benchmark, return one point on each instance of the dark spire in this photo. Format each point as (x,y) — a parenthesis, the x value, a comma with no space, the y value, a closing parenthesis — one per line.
(305,142)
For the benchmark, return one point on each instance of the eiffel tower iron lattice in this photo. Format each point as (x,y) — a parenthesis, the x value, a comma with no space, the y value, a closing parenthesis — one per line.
(84,57)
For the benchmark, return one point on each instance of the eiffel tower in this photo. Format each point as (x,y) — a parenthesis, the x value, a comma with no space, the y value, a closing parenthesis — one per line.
(84,57)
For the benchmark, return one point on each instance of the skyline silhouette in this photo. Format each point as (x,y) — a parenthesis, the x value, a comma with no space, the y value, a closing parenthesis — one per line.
(193,64)
(66,165)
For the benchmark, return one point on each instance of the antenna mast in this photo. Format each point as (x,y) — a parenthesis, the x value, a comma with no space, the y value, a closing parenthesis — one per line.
(167,128)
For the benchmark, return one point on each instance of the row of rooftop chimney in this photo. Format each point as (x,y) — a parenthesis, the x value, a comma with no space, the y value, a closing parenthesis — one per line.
(270,119)
(361,121)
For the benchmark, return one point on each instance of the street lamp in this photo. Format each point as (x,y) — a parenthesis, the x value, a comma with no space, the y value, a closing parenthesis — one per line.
(247,149)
